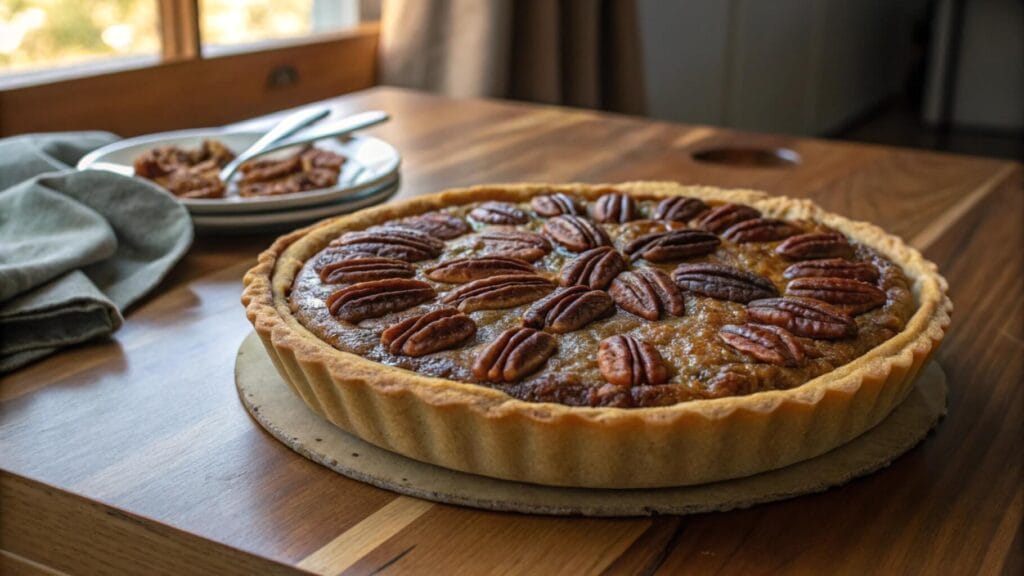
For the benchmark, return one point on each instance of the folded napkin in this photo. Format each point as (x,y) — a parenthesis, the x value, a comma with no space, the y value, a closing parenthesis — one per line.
(76,248)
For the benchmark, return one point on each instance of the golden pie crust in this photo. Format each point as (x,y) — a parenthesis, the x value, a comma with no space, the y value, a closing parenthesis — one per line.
(481,430)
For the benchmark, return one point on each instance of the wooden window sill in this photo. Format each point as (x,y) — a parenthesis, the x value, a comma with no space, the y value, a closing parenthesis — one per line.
(237,83)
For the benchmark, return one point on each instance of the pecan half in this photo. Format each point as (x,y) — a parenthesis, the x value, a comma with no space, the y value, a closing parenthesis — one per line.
(332,254)
(497,292)
(392,242)
(420,335)
(462,270)
(760,230)
(614,207)
(672,245)
(833,268)
(730,380)
(648,293)
(575,233)
(554,205)
(719,218)
(642,396)
(852,295)
(377,298)
(626,361)
(498,213)
(361,269)
(804,317)
(679,209)
(514,354)
(436,224)
(723,282)
(528,246)
(765,343)
(568,309)
(816,245)
(595,268)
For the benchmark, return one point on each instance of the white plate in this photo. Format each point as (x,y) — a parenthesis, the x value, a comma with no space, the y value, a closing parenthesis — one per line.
(251,223)
(371,162)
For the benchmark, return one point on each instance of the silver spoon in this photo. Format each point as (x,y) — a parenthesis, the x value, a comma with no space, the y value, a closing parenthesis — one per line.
(286,127)
(327,130)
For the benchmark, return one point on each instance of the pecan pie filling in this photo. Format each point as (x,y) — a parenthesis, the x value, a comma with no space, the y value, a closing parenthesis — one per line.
(623,301)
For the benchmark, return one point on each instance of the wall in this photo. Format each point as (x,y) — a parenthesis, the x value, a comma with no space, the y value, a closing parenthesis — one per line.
(990,80)
(795,66)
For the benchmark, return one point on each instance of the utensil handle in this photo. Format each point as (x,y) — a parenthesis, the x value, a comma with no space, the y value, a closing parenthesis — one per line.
(329,130)
(290,125)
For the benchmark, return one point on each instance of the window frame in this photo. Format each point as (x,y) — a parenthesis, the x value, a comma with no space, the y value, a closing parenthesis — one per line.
(182,88)
(180,36)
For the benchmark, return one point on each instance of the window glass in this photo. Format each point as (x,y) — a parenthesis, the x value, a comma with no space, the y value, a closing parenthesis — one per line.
(37,34)
(233,22)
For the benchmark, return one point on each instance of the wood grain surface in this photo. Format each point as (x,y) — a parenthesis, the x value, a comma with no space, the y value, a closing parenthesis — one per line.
(135,454)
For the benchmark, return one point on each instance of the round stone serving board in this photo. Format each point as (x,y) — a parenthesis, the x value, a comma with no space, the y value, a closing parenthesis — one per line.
(280,411)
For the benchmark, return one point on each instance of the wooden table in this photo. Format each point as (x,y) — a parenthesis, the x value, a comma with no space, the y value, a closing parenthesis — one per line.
(135,454)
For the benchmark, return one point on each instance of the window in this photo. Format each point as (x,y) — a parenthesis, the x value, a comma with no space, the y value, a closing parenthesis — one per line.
(38,34)
(253,22)
(42,39)
(175,64)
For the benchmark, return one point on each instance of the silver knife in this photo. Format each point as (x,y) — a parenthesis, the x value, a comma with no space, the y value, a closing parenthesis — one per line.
(291,124)
(327,130)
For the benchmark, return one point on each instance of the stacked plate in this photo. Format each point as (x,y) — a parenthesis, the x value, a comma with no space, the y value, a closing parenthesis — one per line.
(369,176)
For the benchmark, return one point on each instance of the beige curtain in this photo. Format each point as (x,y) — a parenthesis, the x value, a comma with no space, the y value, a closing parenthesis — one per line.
(573,52)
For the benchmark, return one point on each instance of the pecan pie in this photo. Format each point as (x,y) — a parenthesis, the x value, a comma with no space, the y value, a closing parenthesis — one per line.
(195,173)
(187,173)
(632,335)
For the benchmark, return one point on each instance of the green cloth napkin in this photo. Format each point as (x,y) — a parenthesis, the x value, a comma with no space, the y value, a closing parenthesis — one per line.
(76,248)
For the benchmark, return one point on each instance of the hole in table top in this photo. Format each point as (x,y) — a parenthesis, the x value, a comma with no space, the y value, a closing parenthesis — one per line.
(749,157)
